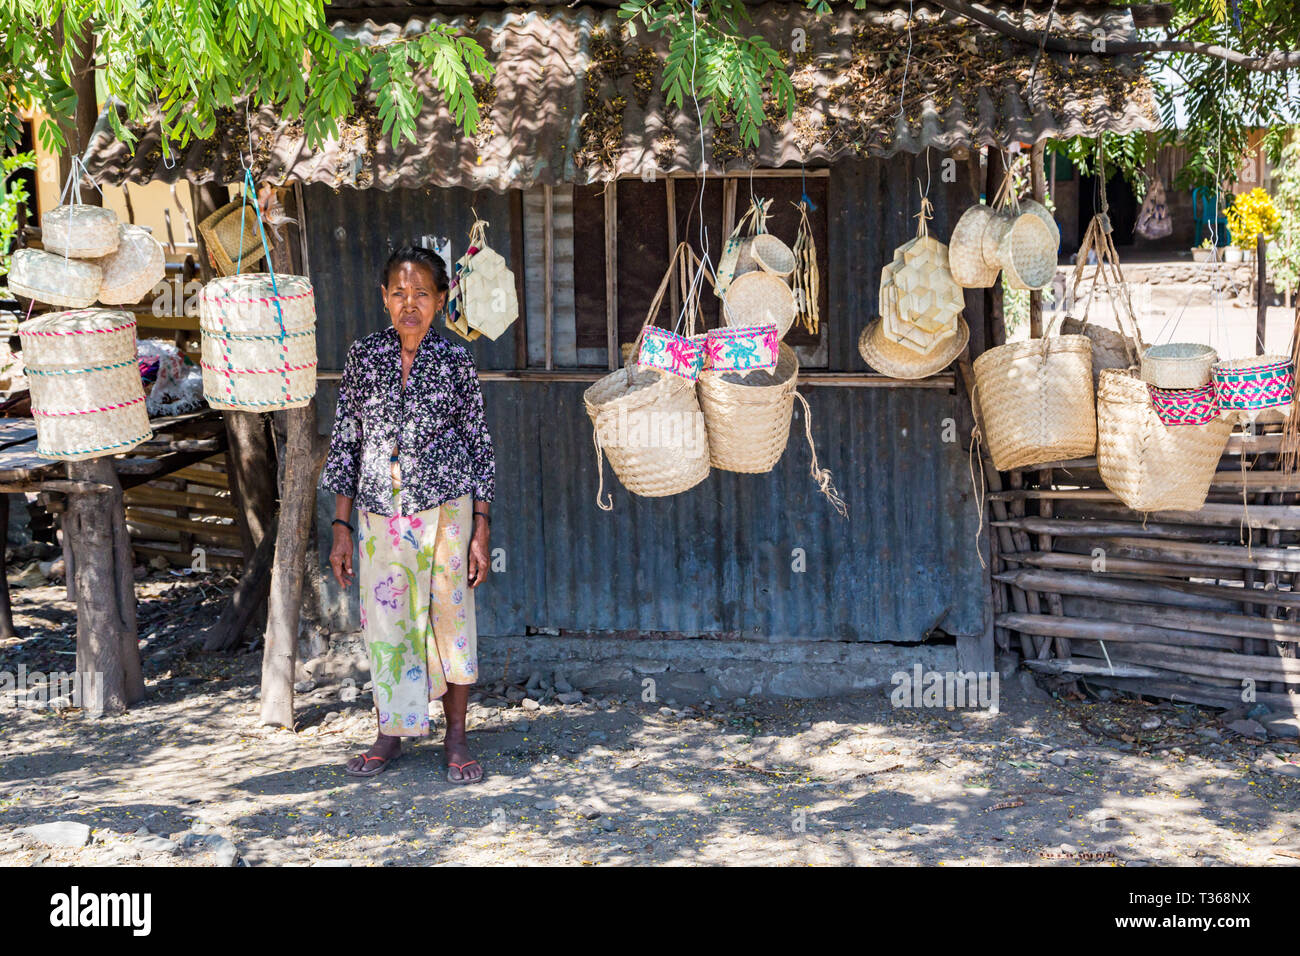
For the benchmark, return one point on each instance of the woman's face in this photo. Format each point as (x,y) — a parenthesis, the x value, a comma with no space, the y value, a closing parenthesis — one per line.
(412,300)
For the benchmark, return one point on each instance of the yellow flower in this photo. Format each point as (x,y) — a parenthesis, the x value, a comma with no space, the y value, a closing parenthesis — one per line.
(1251,216)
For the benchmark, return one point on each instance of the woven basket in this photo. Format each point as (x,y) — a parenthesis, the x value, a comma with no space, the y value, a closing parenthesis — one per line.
(1108,350)
(87,396)
(1178,365)
(1036,399)
(221,233)
(45,277)
(1184,406)
(133,269)
(649,423)
(899,361)
(1149,466)
(966,261)
(651,427)
(251,361)
(79,231)
(1251,384)
(760,298)
(1027,252)
(748,414)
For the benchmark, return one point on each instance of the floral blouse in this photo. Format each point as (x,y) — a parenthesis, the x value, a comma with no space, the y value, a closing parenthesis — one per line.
(434,427)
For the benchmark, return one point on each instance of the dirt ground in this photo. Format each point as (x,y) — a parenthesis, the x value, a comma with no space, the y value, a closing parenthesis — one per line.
(190,778)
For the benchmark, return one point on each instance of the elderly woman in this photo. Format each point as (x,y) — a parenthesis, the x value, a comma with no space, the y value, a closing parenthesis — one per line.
(411,451)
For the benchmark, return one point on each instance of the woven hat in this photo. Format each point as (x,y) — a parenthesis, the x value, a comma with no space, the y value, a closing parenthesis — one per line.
(760,298)
(966,259)
(899,361)
(221,233)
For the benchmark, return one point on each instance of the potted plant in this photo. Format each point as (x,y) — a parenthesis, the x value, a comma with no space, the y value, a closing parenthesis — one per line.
(1251,217)
(1204,252)
(1232,254)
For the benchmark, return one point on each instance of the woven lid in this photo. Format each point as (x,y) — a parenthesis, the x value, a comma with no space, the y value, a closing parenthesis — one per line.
(79,230)
(760,298)
(76,321)
(45,277)
(899,361)
(966,250)
(247,303)
(134,268)
(772,255)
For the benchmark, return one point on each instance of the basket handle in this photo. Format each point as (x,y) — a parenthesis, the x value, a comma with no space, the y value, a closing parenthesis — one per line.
(657,302)
(1098,239)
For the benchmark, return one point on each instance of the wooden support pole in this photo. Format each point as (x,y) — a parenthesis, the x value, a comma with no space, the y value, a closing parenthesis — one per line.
(1261,300)
(297,505)
(6,610)
(108,650)
(246,600)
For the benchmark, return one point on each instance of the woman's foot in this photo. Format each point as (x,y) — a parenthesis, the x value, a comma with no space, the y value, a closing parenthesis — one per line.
(461,765)
(375,761)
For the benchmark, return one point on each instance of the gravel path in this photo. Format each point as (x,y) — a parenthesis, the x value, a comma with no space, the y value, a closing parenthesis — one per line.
(190,778)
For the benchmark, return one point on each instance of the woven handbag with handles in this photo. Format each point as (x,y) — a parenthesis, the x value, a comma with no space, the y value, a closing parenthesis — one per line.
(1149,465)
(647,422)
(1110,349)
(1036,400)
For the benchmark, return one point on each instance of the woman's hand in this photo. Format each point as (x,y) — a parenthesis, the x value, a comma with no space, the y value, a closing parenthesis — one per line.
(478,553)
(341,556)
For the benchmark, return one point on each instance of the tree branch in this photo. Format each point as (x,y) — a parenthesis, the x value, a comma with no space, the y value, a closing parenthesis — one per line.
(1269,63)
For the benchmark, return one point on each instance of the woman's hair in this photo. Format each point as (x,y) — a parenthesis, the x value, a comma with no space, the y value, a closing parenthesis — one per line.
(419,256)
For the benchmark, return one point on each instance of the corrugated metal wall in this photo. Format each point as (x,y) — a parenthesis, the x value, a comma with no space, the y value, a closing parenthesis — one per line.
(721,558)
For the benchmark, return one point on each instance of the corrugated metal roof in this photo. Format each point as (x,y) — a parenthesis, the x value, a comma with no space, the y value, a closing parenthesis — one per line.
(574,100)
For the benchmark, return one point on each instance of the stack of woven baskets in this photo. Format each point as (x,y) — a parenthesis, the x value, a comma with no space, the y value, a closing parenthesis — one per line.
(87,395)
(1019,237)
(89,256)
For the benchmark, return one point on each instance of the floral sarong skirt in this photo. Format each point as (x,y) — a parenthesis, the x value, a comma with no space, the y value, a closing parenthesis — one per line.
(417,610)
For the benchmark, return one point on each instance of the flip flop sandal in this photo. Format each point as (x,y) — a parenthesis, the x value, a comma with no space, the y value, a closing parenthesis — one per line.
(363,772)
(461,767)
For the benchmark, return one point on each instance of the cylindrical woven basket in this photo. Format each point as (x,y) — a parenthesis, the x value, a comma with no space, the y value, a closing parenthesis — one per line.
(45,277)
(1027,252)
(252,359)
(133,269)
(1036,399)
(966,259)
(1178,365)
(80,231)
(760,298)
(87,396)
(631,410)
(748,414)
(1254,383)
(1184,406)
(1148,465)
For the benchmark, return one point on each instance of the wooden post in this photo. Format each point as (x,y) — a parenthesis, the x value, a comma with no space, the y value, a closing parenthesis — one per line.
(298,504)
(995,325)
(108,651)
(6,610)
(1261,303)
